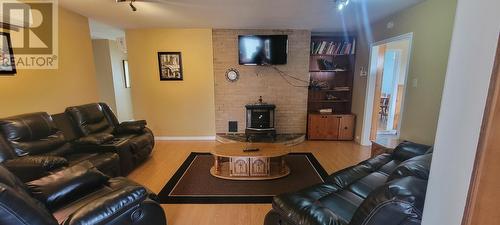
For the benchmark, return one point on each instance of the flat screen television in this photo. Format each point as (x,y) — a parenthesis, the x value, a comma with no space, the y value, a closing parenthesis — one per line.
(263,49)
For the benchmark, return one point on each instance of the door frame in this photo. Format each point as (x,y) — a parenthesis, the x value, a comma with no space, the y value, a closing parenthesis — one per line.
(371,81)
(486,148)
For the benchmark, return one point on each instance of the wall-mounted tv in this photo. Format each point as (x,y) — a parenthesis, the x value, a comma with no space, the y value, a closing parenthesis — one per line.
(263,49)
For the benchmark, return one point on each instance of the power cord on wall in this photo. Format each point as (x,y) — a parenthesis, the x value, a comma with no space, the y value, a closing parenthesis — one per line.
(284,75)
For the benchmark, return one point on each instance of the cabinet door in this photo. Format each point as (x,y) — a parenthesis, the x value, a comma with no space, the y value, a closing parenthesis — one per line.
(316,127)
(332,127)
(346,127)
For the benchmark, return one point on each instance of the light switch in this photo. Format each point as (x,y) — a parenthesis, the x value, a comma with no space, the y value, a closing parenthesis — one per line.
(363,72)
(414,82)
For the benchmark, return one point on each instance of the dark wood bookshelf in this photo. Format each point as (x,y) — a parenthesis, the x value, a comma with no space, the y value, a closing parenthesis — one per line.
(328,72)
(341,74)
(319,55)
(337,71)
(331,101)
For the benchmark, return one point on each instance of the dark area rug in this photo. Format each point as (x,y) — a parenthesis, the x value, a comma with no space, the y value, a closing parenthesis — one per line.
(193,183)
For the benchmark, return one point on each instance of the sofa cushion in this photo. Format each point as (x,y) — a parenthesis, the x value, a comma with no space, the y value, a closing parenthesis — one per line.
(33,133)
(377,162)
(95,139)
(66,185)
(89,119)
(304,206)
(17,207)
(106,162)
(6,151)
(343,203)
(364,186)
(389,167)
(108,207)
(347,176)
(419,166)
(394,203)
(27,127)
(12,190)
(44,162)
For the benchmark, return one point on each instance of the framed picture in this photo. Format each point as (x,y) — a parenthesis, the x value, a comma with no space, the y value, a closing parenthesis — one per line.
(126,75)
(170,66)
(7,62)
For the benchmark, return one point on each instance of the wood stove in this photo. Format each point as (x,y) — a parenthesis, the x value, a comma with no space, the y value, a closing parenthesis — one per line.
(260,120)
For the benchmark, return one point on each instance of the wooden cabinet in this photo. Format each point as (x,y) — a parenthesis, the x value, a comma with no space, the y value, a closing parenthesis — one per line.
(330,127)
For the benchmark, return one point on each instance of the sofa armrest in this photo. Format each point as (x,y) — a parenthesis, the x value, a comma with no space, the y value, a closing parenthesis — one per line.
(33,167)
(407,150)
(109,207)
(66,185)
(45,162)
(131,127)
(95,139)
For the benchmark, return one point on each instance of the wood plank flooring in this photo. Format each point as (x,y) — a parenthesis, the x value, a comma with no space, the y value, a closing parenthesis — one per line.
(169,155)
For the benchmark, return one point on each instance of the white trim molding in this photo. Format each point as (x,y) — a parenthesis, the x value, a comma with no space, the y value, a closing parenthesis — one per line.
(370,89)
(185,138)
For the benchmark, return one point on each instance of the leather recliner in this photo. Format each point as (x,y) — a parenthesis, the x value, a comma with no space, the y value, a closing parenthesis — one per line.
(77,195)
(388,189)
(97,127)
(31,146)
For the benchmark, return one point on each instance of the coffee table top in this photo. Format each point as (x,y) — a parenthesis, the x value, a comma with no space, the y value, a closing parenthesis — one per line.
(265,150)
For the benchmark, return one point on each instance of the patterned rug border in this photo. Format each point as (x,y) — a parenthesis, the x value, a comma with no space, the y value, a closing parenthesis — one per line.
(166,199)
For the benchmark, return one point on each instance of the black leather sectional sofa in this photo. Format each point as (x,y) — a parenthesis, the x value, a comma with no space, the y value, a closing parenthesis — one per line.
(388,189)
(35,144)
(76,195)
(58,169)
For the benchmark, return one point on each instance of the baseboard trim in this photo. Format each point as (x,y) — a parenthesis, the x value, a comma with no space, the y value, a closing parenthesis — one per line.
(185,138)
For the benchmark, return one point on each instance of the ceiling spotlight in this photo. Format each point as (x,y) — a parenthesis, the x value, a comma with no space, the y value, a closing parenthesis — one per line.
(341,4)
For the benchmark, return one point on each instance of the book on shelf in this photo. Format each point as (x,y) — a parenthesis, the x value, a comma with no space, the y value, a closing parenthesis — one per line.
(333,48)
(341,88)
(326,111)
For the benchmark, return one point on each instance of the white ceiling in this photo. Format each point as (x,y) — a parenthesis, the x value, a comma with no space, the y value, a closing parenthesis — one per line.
(100,30)
(316,15)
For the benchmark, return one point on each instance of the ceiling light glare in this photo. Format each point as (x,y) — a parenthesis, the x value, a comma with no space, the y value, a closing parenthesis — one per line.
(341,4)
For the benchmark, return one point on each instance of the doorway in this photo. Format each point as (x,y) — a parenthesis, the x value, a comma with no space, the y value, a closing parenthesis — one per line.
(387,79)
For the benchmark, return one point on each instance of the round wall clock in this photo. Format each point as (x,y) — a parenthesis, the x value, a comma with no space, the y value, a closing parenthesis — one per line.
(232,75)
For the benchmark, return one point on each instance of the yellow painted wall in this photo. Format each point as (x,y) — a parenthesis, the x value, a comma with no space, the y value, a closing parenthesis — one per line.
(173,108)
(53,90)
(104,73)
(431,23)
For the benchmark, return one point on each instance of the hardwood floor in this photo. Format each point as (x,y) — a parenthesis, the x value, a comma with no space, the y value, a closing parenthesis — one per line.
(169,155)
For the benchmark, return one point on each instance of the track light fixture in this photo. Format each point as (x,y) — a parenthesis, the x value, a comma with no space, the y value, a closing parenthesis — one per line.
(131,4)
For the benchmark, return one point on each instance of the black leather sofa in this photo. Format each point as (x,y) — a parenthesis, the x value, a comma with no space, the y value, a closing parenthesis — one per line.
(36,144)
(388,189)
(76,195)
(96,127)
(32,146)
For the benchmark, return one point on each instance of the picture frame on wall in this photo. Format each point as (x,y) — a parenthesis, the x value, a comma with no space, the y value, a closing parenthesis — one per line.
(126,74)
(7,61)
(170,66)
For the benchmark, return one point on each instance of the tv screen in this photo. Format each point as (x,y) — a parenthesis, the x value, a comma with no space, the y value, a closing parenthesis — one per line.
(263,49)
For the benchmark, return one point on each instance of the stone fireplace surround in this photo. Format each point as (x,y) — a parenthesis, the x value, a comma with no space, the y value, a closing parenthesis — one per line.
(255,81)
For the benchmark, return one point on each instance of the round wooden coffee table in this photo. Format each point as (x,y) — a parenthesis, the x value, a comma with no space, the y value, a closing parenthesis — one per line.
(231,162)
